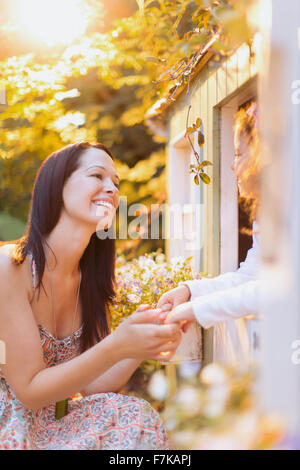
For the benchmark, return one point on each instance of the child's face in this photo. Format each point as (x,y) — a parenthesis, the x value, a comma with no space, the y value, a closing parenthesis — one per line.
(241,163)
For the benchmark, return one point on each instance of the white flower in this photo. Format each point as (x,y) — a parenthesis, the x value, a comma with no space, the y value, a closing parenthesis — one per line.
(161,271)
(246,427)
(216,441)
(240,434)
(188,369)
(213,409)
(188,398)
(146,276)
(218,393)
(183,439)
(213,374)
(135,299)
(171,424)
(216,400)
(134,289)
(145,262)
(178,261)
(158,386)
(160,258)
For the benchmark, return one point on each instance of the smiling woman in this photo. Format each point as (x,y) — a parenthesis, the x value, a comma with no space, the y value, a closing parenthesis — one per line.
(57,282)
(53,21)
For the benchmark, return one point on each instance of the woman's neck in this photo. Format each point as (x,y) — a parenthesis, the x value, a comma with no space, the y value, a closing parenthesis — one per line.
(68,240)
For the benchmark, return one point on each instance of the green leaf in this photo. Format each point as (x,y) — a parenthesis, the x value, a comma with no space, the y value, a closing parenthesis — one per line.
(61,409)
(205,178)
(196,180)
(189,130)
(198,122)
(201,139)
(172,89)
(204,163)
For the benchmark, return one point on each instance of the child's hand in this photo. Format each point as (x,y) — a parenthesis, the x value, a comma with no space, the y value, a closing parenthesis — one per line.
(183,314)
(165,310)
(175,297)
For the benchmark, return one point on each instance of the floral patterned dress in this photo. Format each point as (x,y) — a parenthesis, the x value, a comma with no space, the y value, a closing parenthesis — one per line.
(99,421)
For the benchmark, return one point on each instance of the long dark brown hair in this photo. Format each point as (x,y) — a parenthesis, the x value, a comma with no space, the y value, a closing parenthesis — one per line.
(98,260)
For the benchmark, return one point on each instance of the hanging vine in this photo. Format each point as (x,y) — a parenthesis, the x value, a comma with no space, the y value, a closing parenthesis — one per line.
(195,27)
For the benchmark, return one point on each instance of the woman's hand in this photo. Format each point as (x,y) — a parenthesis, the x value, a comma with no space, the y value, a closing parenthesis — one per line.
(174,297)
(183,315)
(139,338)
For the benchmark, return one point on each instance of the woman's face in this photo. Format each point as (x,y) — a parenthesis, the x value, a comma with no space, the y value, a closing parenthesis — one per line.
(241,163)
(91,193)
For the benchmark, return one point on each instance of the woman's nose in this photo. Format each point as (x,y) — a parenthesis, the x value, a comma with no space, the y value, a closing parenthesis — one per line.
(109,187)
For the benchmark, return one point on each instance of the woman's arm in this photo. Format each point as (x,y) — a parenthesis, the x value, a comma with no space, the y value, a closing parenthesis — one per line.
(117,376)
(191,290)
(114,379)
(37,386)
(246,272)
(220,306)
(25,371)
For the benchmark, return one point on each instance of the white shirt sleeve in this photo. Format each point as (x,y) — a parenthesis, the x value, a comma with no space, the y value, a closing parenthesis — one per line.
(228,304)
(245,273)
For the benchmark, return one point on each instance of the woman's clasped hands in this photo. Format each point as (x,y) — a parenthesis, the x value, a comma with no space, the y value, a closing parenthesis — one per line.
(178,309)
(144,335)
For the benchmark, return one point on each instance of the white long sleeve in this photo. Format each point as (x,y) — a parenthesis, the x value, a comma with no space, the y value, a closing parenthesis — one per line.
(246,272)
(228,296)
(229,304)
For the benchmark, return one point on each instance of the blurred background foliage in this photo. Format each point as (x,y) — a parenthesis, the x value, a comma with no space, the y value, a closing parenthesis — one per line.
(99,88)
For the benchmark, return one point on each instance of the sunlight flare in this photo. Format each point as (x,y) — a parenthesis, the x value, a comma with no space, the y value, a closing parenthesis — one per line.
(53,21)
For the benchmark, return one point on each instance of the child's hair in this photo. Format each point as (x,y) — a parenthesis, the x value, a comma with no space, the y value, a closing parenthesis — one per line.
(245,125)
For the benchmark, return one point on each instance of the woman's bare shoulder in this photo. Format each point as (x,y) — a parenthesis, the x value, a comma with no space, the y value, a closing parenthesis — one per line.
(6,258)
(11,272)
(6,247)
(6,262)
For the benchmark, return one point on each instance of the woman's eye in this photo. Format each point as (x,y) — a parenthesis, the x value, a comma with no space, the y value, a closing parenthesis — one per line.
(97,175)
